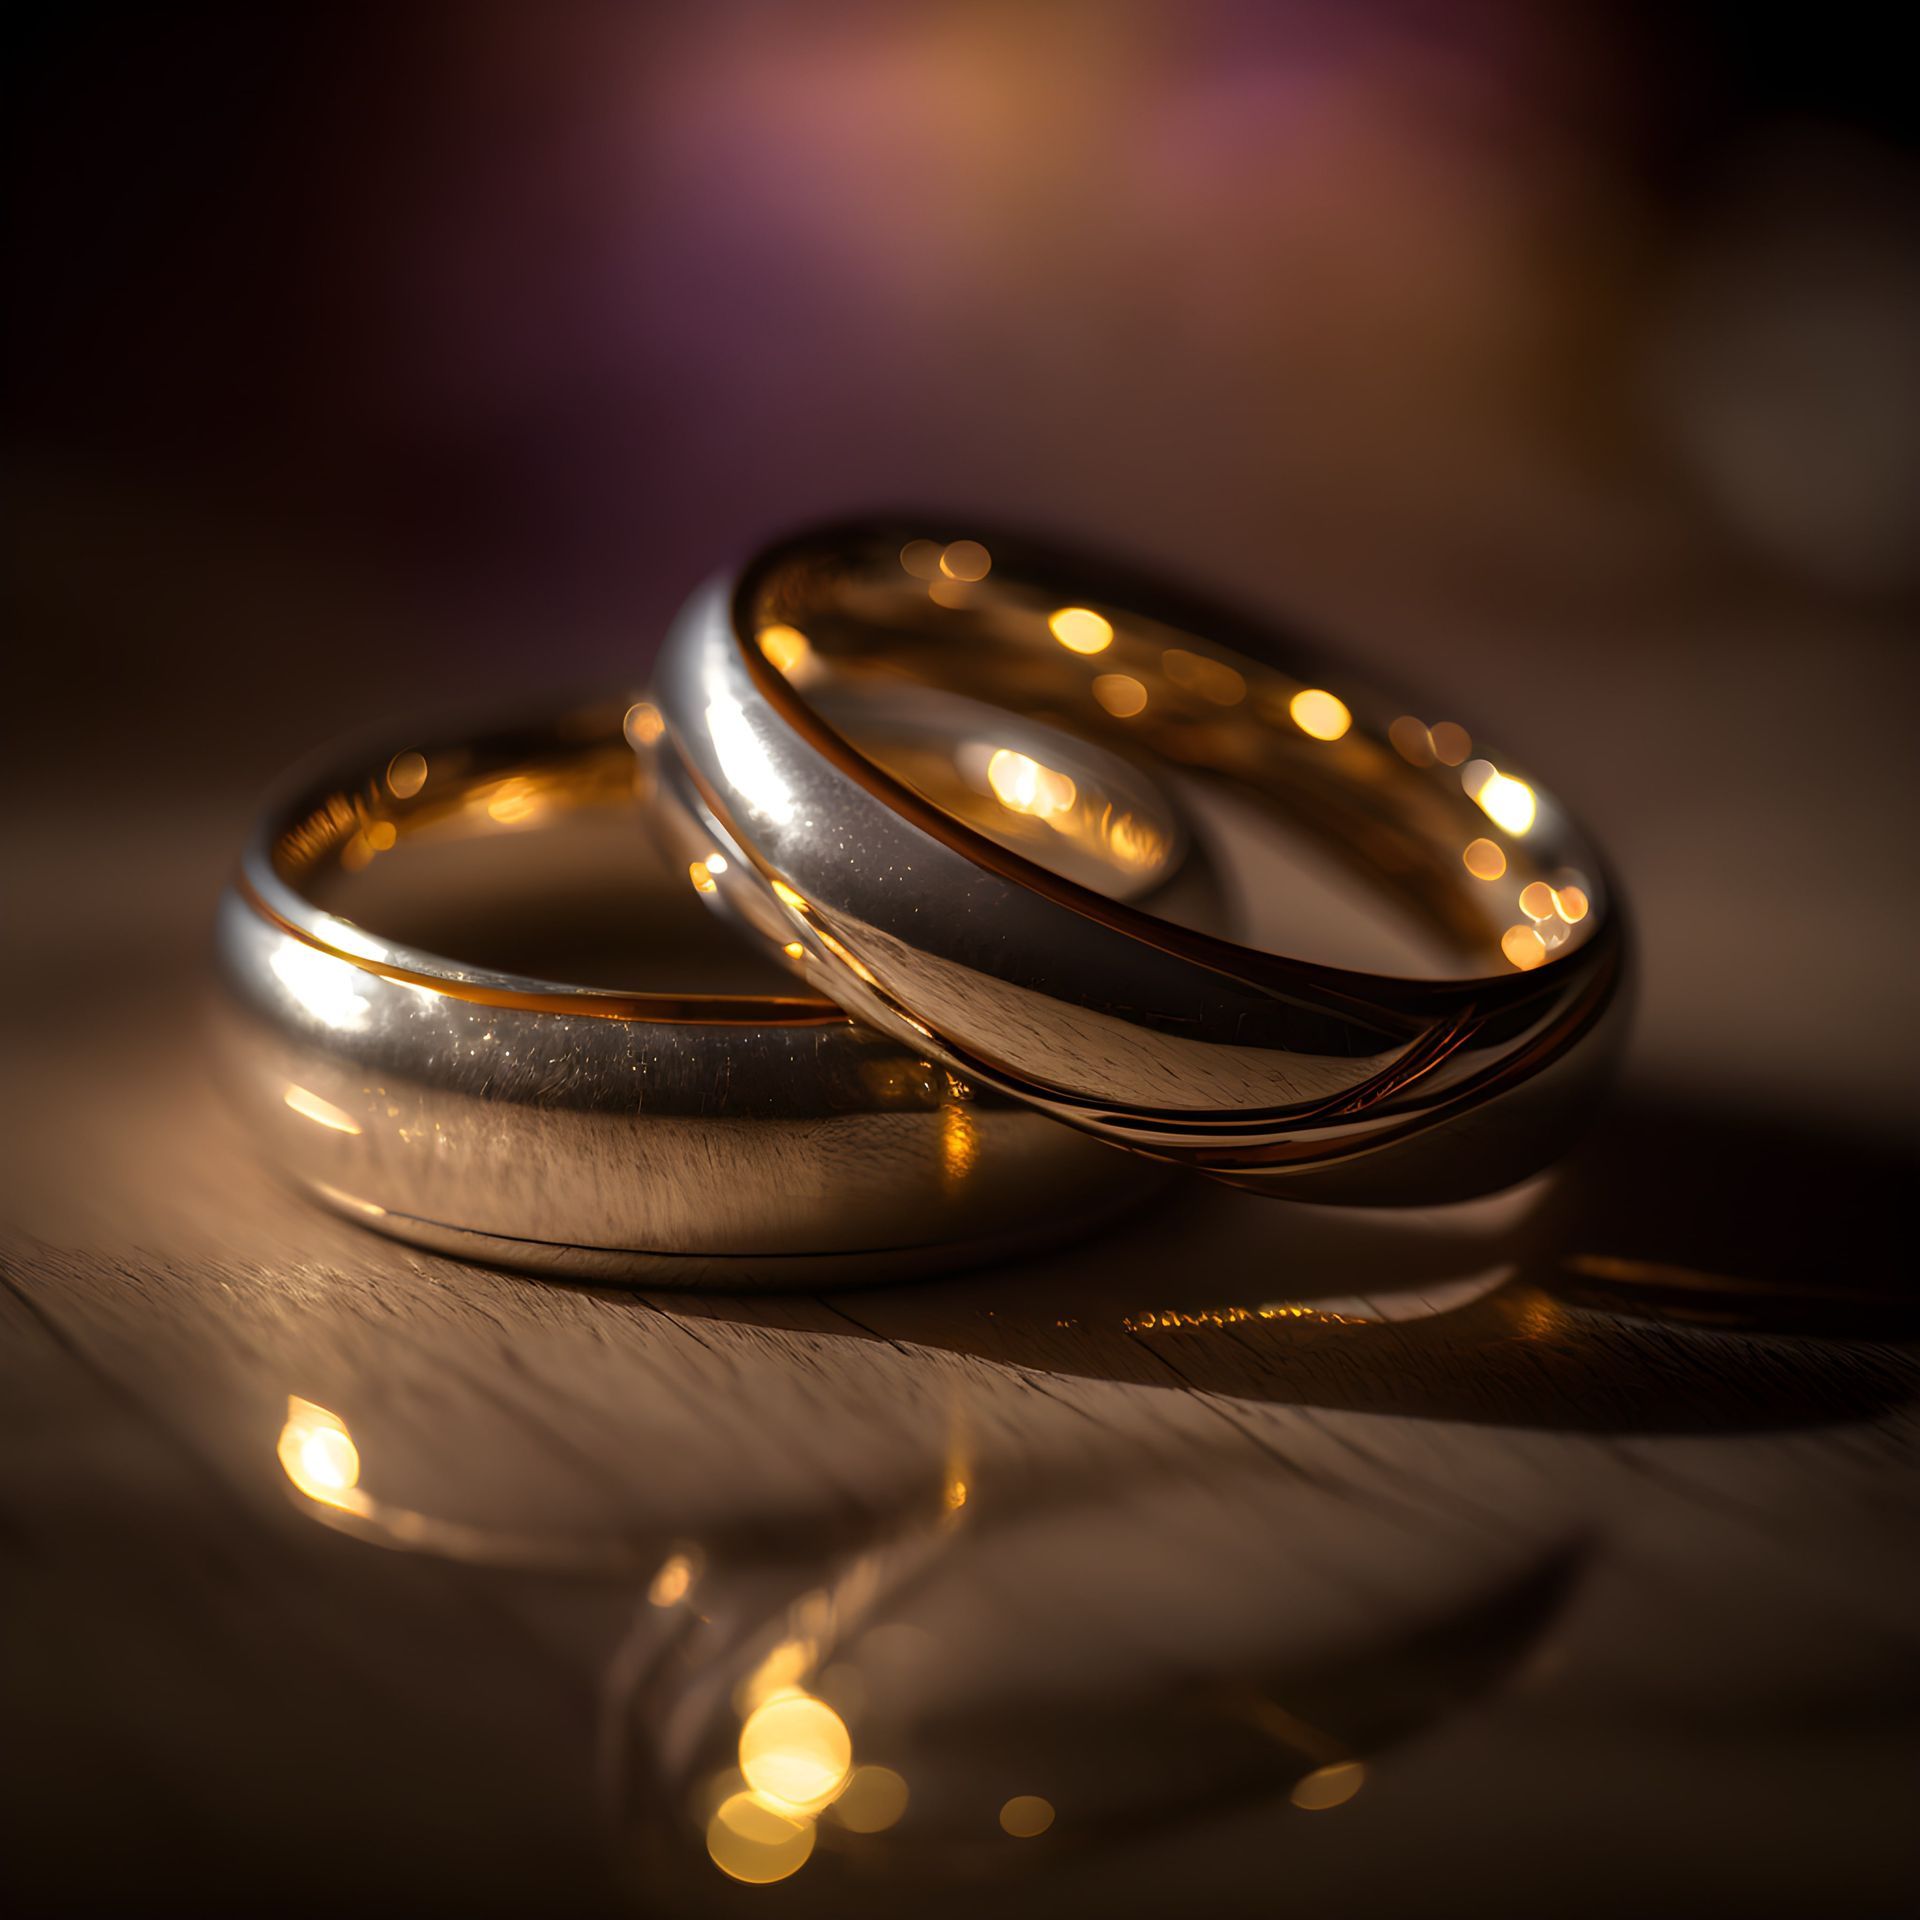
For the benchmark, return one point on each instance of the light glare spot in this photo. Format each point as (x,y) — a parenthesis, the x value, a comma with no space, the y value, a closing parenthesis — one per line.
(1080,629)
(1536,900)
(316,1453)
(746,762)
(514,801)
(785,648)
(323,983)
(1023,785)
(796,1750)
(959,1148)
(1485,860)
(1319,714)
(1451,743)
(672,1583)
(324,1113)
(1523,947)
(755,1843)
(1507,802)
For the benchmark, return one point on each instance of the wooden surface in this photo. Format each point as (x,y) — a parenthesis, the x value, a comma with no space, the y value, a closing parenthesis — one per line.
(367,367)
(1582,1517)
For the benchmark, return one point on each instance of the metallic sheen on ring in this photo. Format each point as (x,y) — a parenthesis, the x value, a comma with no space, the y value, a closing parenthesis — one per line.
(1275,1073)
(706,1140)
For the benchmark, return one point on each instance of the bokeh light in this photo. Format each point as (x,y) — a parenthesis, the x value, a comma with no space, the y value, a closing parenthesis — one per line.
(796,1749)
(1080,629)
(753,1842)
(1026,1816)
(1319,714)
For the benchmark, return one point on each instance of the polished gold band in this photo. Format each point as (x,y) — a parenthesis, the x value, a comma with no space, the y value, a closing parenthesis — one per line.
(802,710)
(717,1139)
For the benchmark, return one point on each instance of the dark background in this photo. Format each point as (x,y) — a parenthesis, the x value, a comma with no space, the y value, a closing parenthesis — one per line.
(1564,360)
(366,361)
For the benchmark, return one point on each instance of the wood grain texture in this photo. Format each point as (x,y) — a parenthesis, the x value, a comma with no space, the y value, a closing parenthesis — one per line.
(1583,1514)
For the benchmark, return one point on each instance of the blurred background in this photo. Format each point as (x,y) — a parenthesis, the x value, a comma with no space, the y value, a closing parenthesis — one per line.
(1565,359)
(1561,358)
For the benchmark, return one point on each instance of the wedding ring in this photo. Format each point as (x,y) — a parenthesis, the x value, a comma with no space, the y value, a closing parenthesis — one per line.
(1005,905)
(689,1137)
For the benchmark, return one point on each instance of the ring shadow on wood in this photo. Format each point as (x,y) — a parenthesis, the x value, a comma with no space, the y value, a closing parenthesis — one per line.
(1688,1270)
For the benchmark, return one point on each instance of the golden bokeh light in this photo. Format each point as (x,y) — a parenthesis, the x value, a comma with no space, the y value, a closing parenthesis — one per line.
(785,648)
(921,558)
(1331,1786)
(1536,900)
(965,560)
(1319,714)
(796,1750)
(788,897)
(701,874)
(1411,741)
(1080,629)
(1523,947)
(309,1106)
(1134,843)
(794,950)
(1484,860)
(1451,743)
(959,1142)
(643,724)
(406,774)
(1507,802)
(381,835)
(317,1454)
(673,1582)
(1023,785)
(1121,694)
(874,1800)
(1026,1815)
(1571,904)
(515,801)
(755,1843)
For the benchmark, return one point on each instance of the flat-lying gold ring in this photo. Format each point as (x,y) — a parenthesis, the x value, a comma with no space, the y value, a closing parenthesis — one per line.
(702,1139)
(895,892)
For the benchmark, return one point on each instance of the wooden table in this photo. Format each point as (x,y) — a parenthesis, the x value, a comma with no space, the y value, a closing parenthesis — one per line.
(1579,1519)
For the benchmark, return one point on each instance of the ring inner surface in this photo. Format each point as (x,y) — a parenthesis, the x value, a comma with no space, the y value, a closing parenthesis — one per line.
(1102,733)
(525,854)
